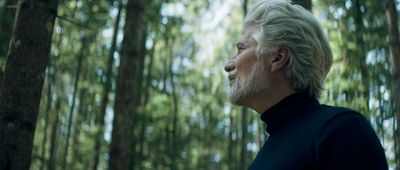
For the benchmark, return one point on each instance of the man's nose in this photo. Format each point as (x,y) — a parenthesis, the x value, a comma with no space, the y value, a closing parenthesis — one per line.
(229,66)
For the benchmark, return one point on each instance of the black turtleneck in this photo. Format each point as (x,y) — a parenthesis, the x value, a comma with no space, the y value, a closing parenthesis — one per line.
(304,135)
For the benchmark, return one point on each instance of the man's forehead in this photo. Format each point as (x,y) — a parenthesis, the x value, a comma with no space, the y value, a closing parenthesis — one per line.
(247,36)
(249,24)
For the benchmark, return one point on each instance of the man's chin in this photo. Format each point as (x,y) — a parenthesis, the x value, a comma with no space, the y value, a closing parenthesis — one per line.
(234,102)
(236,99)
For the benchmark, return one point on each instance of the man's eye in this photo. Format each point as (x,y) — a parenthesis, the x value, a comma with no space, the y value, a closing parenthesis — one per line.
(240,49)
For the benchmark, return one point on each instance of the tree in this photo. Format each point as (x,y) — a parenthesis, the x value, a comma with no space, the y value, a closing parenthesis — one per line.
(7,12)
(244,142)
(394,45)
(22,83)
(51,164)
(72,111)
(47,122)
(128,85)
(106,90)
(184,115)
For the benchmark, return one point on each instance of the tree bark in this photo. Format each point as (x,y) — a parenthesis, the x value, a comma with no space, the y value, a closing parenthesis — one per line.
(394,45)
(127,93)
(22,83)
(7,14)
(307,4)
(140,71)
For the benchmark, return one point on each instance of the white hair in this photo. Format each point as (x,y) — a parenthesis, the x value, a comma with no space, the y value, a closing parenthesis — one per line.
(280,23)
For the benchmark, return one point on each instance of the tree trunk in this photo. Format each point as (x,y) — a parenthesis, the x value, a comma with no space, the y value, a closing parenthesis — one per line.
(139,80)
(175,110)
(142,137)
(145,99)
(244,7)
(231,142)
(106,91)
(7,13)
(22,83)
(147,84)
(46,124)
(307,4)
(86,39)
(1,74)
(53,140)
(361,52)
(243,155)
(76,156)
(128,85)
(391,14)
(71,111)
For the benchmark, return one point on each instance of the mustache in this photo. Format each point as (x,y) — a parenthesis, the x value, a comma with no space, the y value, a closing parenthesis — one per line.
(232,74)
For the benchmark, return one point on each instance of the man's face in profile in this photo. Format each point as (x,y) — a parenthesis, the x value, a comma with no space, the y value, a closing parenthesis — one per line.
(247,74)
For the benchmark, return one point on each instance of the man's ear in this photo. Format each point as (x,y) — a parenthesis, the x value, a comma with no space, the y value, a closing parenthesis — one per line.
(281,58)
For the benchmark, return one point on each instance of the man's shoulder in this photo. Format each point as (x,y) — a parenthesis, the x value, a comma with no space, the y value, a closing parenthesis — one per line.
(329,113)
(340,120)
(324,116)
(347,140)
(327,109)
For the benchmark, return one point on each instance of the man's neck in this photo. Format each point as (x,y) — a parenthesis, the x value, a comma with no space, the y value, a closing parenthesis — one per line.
(262,103)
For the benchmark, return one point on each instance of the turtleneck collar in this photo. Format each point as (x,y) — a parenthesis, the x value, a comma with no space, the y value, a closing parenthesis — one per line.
(279,114)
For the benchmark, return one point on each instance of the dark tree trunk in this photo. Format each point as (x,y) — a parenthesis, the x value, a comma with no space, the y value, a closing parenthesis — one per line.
(1,75)
(128,86)
(21,87)
(140,71)
(106,91)
(391,14)
(7,13)
(307,4)
(142,137)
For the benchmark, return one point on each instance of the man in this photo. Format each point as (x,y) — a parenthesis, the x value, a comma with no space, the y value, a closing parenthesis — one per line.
(278,71)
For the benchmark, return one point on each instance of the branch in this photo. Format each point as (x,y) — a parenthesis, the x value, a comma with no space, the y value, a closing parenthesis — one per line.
(73,22)
(10,6)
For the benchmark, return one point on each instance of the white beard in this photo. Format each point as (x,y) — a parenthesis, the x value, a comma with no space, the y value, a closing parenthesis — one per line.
(242,88)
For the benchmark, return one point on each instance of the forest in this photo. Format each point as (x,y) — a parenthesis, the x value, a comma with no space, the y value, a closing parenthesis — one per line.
(140,84)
